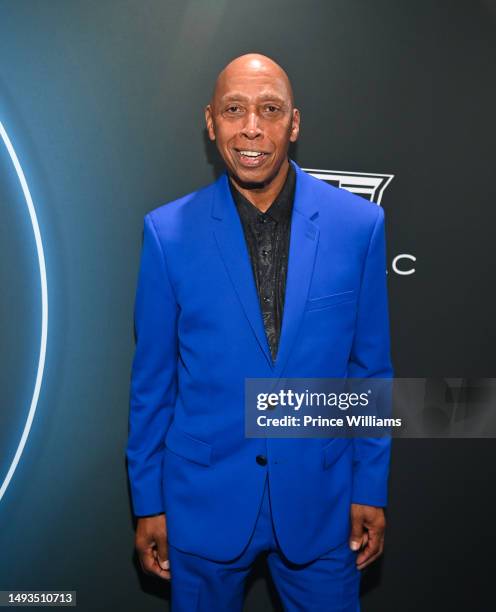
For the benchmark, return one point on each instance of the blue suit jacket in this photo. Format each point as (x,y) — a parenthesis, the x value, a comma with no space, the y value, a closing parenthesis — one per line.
(200,334)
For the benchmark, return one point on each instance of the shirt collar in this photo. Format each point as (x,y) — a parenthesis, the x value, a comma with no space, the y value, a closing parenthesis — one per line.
(280,208)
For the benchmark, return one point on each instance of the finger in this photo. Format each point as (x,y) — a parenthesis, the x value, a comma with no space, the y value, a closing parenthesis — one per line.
(373,538)
(163,566)
(161,560)
(369,561)
(163,552)
(147,559)
(165,574)
(150,565)
(356,533)
(373,550)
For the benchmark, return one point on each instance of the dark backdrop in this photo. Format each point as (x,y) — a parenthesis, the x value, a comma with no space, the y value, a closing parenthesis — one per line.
(103,101)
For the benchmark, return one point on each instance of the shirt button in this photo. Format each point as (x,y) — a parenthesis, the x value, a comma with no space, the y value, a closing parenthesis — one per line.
(266,299)
(261,460)
(262,219)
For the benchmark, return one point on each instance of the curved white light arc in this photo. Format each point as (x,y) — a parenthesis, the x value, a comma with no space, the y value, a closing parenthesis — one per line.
(44,309)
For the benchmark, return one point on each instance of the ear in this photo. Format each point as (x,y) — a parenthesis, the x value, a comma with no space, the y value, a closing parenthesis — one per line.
(295,126)
(209,120)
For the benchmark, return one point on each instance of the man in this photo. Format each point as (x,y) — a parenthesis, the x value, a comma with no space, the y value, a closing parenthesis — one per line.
(266,272)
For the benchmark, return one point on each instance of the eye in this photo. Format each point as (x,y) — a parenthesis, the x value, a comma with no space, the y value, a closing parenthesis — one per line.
(233,109)
(271,108)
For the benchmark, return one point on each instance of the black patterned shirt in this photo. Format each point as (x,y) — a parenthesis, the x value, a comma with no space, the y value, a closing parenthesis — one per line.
(267,237)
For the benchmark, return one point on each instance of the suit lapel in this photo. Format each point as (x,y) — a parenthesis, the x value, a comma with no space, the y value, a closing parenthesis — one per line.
(302,249)
(303,242)
(230,239)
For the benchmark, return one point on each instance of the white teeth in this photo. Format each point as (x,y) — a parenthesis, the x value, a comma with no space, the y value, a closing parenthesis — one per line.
(251,153)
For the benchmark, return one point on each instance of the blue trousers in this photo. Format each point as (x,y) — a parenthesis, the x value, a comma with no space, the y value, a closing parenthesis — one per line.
(330,583)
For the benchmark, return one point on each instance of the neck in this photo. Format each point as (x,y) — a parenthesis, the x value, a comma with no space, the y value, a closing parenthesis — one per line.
(262,195)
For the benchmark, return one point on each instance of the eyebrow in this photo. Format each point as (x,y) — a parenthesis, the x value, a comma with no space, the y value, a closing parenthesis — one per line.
(264,96)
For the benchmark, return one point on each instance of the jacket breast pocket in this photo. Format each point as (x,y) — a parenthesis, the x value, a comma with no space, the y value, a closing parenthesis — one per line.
(188,447)
(332,299)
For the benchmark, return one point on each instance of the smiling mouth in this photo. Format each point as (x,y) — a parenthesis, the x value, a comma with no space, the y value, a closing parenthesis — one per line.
(251,158)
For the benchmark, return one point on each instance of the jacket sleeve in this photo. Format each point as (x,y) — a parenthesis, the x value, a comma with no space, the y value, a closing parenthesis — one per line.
(370,357)
(153,375)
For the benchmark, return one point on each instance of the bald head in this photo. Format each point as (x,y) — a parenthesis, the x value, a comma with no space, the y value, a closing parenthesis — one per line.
(250,66)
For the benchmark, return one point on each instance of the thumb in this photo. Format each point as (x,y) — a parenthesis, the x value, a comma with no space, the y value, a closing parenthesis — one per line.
(356,534)
(165,565)
(163,551)
(163,557)
(163,554)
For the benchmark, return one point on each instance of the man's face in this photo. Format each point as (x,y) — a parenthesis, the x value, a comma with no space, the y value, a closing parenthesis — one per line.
(252,121)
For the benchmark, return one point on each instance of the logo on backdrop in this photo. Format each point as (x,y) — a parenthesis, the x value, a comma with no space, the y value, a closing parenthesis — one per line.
(370,186)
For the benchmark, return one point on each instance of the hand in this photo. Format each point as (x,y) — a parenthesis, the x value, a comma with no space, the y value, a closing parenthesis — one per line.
(152,547)
(367,532)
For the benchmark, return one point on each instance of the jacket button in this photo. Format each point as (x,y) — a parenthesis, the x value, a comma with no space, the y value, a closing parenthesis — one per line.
(261,460)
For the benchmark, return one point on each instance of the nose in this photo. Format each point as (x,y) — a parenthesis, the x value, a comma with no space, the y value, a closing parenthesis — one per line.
(251,128)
